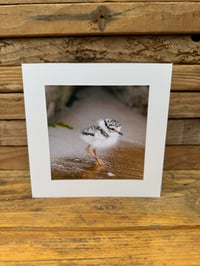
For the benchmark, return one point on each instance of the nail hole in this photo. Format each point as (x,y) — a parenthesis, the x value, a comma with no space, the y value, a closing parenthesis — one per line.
(195,37)
(102,16)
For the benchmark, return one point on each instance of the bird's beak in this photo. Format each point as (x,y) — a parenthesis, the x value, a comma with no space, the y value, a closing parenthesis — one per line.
(120,133)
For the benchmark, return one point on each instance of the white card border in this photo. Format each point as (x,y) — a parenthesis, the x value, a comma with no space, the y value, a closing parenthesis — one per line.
(36,76)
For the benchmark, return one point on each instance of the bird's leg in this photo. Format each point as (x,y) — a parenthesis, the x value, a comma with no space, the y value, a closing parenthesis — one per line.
(99,161)
(87,149)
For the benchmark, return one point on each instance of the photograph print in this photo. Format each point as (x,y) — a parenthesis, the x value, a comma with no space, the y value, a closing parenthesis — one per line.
(96,129)
(97,132)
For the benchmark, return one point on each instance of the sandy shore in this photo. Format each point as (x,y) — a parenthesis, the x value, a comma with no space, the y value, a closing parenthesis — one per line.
(67,149)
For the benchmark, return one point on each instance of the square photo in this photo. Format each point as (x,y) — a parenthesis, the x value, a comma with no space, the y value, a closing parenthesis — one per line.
(96,129)
(97,132)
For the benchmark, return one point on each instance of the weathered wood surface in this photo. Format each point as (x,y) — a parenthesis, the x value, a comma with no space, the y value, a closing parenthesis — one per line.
(171,49)
(14,159)
(112,245)
(11,2)
(183,131)
(13,133)
(107,18)
(94,231)
(180,132)
(176,158)
(12,106)
(184,78)
(178,206)
(182,157)
(11,79)
(182,105)
(66,245)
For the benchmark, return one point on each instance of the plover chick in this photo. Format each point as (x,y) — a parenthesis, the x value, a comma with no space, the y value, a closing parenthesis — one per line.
(104,135)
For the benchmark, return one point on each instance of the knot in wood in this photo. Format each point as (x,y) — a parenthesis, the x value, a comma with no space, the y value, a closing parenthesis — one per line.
(101,16)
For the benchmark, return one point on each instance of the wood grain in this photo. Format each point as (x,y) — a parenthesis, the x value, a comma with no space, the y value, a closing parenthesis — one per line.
(180,131)
(184,78)
(11,79)
(13,133)
(182,157)
(15,159)
(157,48)
(183,131)
(12,106)
(92,19)
(177,207)
(90,231)
(176,158)
(182,105)
(67,245)
(101,231)
(11,2)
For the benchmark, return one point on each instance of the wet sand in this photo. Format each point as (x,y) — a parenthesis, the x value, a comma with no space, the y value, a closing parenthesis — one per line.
(125,161)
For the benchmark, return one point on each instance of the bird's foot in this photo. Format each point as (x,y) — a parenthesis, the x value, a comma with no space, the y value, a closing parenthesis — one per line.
(100,162)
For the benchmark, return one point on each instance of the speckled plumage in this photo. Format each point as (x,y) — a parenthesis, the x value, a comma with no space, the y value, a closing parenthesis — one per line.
(101,136)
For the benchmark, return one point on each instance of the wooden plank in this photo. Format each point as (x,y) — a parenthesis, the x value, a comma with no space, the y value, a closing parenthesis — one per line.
(182,157)
(13,133)
(12,106)
(180,131)
(153,247)
(92,19)
(158,48)
(11,2)
(16,158)
(179,200)
(184,78)
(11,79)
(183,131)
(182,105)
(176,158)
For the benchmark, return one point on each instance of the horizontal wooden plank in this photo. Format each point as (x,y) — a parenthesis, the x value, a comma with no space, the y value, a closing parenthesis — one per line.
(177,207)
(11,79)
(176,158)
(158,48)
(182,157)
(93,19)
(183,131)
(182,105)
(184,78)
(152,247)
(12,106)
(16,158)
(13,133)
(180,131)
(11,2)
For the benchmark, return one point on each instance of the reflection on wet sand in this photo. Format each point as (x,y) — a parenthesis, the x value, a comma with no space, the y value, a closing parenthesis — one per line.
(125,161)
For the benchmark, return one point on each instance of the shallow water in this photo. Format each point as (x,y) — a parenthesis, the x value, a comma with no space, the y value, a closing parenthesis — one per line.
(126,161)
